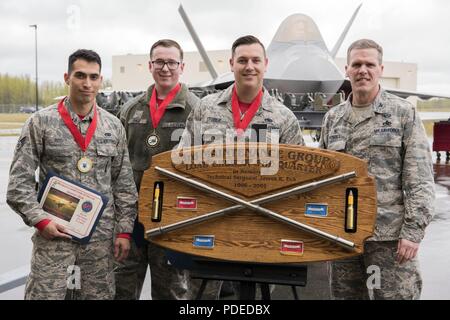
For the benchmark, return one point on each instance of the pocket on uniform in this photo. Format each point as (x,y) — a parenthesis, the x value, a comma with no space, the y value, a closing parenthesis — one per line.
(105,155)
(338,145)
(386,140)
(107,150)
(58,151)
(386,154)
(59,158)
(214,133)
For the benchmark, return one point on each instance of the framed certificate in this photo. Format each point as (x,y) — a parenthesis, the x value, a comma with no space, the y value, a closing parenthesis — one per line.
(72,205)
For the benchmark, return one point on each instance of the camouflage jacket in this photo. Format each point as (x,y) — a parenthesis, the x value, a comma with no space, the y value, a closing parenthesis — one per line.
(135,116)
(46,143)
(215,115)
(394,143)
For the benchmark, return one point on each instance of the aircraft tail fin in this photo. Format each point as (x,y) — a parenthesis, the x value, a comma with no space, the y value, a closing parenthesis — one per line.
(338,44)
(198,43)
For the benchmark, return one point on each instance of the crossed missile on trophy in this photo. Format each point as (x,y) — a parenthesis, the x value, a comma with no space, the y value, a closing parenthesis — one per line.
(254,205)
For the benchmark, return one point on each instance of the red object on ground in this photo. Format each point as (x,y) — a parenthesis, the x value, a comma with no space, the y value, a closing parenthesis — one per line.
(441,136)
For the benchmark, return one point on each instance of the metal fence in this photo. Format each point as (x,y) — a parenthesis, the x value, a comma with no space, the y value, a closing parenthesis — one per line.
(111,101)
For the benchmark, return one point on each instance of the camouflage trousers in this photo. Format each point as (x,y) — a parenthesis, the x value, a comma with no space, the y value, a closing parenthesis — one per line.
(167,282)
(377,273)
(63,269)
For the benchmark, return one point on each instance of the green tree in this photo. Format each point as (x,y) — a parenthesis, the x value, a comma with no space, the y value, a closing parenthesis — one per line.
(21,90)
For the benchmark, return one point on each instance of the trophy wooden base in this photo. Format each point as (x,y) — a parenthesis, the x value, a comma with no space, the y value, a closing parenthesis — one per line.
(247,235)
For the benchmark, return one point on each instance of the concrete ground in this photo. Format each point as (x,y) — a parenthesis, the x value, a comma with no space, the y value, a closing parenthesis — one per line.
(433,255)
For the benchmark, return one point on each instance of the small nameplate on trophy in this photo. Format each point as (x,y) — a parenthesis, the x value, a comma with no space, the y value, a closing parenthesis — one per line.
(318,210)
(186,203)
(292,247)
(203,242)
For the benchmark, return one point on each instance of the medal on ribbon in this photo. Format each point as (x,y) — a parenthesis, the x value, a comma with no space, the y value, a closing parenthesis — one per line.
(157,112)
(84,165)
(153,140)
(241,123)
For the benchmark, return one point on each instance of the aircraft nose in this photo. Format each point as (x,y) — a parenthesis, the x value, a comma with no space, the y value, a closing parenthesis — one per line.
(305,68)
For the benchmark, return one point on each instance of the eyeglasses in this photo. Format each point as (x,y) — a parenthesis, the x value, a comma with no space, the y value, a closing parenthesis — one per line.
(172,65)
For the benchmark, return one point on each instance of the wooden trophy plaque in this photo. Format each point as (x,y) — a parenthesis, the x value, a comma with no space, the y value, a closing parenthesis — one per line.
(260,233)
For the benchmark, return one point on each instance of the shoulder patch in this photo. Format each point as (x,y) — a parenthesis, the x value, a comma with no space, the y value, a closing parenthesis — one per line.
(130,104)
(20,143)
(192,100)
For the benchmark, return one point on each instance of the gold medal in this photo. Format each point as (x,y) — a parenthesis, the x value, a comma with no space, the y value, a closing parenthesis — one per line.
(153,140)
(84,165)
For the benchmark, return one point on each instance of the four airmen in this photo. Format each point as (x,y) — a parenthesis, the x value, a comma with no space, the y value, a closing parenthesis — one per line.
(78,140)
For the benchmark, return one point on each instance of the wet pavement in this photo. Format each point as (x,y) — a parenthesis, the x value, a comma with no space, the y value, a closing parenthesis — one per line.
(434,257)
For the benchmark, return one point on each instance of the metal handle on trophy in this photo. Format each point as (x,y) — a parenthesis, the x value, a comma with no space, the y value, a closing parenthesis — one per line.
(340,241)
(277,196)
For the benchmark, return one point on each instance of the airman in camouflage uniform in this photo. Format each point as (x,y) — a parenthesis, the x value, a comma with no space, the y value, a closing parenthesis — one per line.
(47,144)
(213,122)
(386,131)
(167,282)
(214,117)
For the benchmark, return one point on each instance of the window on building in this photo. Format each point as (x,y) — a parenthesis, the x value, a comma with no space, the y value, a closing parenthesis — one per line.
(122,69)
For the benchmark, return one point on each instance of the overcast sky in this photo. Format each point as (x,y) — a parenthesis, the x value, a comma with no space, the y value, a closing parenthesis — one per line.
(415,31)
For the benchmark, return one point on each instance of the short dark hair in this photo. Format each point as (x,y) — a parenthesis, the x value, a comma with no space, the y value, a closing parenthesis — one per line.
(246,40)
(166,43)
(84,54)
(365,44)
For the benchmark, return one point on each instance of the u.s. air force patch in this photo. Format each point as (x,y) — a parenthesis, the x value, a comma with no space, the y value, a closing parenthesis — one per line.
(395,131)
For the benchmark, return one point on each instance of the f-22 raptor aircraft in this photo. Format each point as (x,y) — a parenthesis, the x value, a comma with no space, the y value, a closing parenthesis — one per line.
(301,71)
